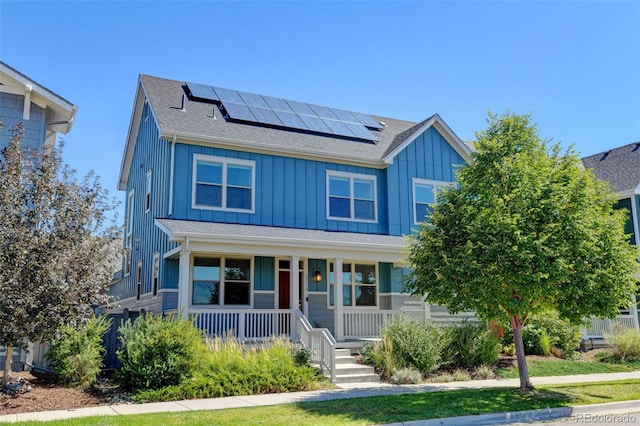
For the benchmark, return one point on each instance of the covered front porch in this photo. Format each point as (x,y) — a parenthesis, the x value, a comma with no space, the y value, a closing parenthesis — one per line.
(251,281)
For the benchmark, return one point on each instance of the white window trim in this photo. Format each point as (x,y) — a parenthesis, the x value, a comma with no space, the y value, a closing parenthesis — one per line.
(148,184)
(225,162)
(155,280)
(223,264)
(437,185)
(352,177)
(352,285)
(139,279)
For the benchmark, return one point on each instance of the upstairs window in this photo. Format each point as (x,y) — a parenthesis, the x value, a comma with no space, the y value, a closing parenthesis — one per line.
(147,195)
(351,196)
(221,183)
(424,196)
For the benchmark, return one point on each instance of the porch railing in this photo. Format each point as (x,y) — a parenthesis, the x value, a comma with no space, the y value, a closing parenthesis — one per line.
(367,323)
(245,325)
(599,327)
(321,343)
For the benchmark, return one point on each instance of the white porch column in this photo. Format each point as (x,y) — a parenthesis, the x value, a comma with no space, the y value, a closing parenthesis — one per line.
(184,282)
(294,272)
(338,319)
(305,290)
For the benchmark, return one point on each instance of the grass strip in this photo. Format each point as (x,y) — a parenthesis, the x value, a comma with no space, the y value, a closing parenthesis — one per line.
(542,368)
(388,409)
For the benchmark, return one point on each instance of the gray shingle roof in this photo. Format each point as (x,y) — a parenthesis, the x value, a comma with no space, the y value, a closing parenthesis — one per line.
(619,166)
(165,97)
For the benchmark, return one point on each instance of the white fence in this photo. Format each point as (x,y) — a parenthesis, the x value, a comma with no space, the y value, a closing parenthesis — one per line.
(250,324)
(367,323)
(598,328)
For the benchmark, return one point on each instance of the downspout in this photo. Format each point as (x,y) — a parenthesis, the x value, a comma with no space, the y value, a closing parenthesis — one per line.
(636,233)
(171,171)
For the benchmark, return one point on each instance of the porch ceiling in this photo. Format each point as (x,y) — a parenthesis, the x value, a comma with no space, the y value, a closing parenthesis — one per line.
(273,241)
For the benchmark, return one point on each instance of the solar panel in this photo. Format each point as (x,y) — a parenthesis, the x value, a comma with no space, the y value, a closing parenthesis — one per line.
(301,108)
(291,120)
(277,104)
(337,127)
(315,124)
(360,131)
(265,116)
(345,115)
(367,120)
(227,95)
(239,112)
(202,92)
(324,112)
(252,99)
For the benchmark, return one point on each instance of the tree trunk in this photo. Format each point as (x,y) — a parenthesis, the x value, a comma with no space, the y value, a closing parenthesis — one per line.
(7,365)
(523,370)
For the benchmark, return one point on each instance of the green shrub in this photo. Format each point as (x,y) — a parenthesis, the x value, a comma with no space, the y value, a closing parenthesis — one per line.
(302,356)
(414,343)
(470,345)
(382,356)
(158,351)
(625,344)
(406,376)
(560,333)
(76,353)
(231,369)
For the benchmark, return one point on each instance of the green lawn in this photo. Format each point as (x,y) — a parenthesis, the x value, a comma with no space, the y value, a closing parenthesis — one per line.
(540,368)
(387,409)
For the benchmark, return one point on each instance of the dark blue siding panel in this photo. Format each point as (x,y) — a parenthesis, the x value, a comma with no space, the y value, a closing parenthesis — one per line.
(263,276)
(151,153)
(289,192)
(320,265)
(169,301)
(429,157)
(384,280)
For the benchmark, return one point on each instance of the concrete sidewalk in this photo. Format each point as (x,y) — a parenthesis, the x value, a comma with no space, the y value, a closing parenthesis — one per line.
(345,391)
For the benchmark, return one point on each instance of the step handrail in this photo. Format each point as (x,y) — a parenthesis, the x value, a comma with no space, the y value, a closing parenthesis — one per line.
(320,341)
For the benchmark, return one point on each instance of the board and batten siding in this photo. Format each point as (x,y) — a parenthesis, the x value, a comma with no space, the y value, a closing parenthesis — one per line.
(151,154)
(289,192)
(11,109)
(429,156)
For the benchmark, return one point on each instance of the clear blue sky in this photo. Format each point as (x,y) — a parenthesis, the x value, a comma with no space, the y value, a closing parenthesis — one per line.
(575,66)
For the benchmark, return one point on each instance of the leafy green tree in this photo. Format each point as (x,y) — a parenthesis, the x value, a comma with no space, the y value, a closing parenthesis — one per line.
(57,250)
(526,230)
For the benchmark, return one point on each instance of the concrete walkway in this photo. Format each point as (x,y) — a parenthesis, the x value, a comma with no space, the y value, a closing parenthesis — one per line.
(356,390)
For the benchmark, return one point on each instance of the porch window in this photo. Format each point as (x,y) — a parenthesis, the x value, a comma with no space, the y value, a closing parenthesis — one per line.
(351,196)
(211,287)
(424,196)
(359,285)
(221,183)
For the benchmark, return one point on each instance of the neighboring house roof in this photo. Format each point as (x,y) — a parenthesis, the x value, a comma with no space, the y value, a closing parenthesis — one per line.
(266,240)
(619,166)
(61,112)
(194,122)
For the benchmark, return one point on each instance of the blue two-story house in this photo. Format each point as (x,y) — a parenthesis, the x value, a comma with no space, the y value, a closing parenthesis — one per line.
(264,215)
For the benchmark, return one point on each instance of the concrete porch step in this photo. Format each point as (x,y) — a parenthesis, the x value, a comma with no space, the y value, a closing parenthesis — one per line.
(357,378)
(354,368)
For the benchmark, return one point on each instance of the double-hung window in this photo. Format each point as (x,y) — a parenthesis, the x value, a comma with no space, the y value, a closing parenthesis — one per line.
(424,196)
(359,284)
(351,196)
(129,233)
(221,281)
(221,183)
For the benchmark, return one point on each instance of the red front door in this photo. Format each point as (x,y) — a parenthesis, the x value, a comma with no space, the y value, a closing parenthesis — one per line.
(284,288)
